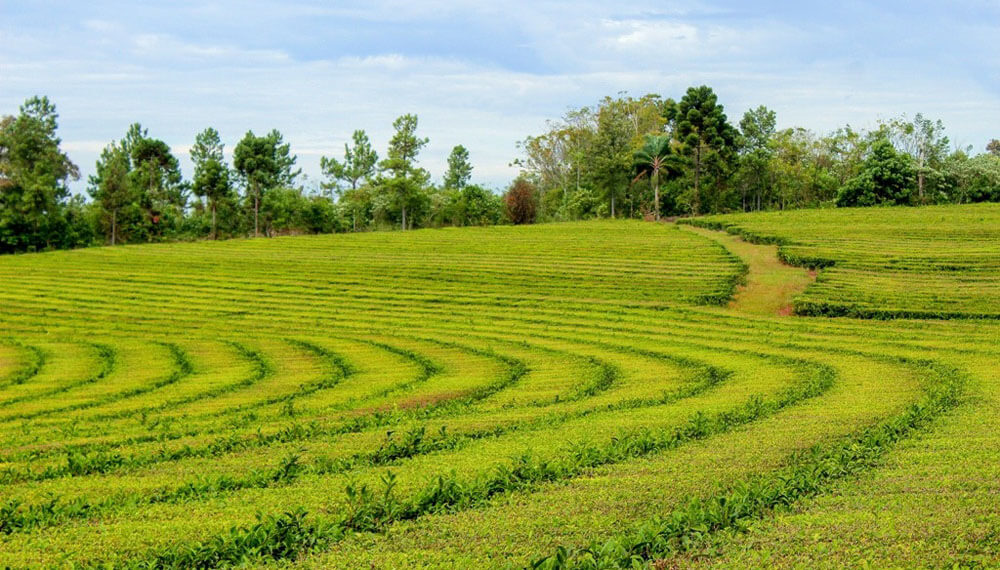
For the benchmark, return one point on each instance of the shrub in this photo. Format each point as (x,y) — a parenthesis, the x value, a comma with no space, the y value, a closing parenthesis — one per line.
(520,202)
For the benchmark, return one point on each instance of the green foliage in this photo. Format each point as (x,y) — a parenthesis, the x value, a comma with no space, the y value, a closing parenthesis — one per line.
(966,180)
(211,174)
(886,179)
(110,187)
(708,140)
(404,186)
(924,141)
(156,177)
(473,205)
(138,189)
(940,262)
(581,168)
(459,169)
(612,151)
(543,385)
(757,131)
(577,163)
(357,167)
(33,175)
(656,158)
(263,164)
(811,472)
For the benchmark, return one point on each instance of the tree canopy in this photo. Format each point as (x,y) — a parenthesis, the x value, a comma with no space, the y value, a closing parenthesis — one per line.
(34,172)
(886,179)
(623,156)
(263,163)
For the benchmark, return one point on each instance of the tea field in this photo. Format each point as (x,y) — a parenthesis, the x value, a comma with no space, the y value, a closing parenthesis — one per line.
(583,395)
(930,262)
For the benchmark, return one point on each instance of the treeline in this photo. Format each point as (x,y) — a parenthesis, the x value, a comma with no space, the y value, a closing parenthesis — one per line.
(650,156)
(625,157)
(138,194)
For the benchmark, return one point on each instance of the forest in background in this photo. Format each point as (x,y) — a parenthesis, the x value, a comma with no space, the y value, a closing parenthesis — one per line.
(628,157)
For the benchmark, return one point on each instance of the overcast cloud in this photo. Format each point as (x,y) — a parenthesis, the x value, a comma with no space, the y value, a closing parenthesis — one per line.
(485,75)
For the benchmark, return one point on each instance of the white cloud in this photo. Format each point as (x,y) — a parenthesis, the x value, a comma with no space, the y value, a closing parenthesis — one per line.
(173,49)
(630,35)
(483,75)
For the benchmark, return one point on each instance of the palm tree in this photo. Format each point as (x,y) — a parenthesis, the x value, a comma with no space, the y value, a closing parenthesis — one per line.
(655,156)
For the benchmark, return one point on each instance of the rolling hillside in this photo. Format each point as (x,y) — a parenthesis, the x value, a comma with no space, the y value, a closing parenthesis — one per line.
(564,395)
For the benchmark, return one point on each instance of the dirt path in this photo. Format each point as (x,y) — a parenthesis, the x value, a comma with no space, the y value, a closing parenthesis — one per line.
(771,284)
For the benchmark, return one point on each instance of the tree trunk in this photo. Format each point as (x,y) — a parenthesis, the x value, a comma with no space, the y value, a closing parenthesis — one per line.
(256,212)
(215,228)
(612,204)
(656,193)
(114,225)
(403,225)
(697,177)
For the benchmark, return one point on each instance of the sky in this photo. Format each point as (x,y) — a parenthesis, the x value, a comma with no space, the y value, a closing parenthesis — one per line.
(484,74)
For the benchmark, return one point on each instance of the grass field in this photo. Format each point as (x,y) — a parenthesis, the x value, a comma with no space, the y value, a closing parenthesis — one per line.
(593,395)
(932,262)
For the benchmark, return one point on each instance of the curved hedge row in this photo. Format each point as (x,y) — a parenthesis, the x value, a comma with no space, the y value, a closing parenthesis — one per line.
(936,262)
(479,398)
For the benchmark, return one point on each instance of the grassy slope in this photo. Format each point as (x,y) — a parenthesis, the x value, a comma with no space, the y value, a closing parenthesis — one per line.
(932,262)
(264,375)
(771,285)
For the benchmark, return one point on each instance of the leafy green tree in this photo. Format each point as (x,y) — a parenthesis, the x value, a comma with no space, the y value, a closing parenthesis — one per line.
(156,179)
(473,205)
(320,215)
(845,150)
(351,177)
(923,140)
(33,176)
(757,128)
(111,187)
(707,137)
(406,181)
(359,203)
(656,158)
(211,175)
(263,163)
(973,179)
(886,178)
(612,149)
(459,169)
(552,162)
(993,147)
(480,207)
(799,170)
(358,164)
(153,199)
(82,218)
(281,210)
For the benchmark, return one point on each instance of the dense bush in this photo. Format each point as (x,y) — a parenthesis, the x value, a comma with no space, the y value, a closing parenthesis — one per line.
(520,202)
(886,179)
